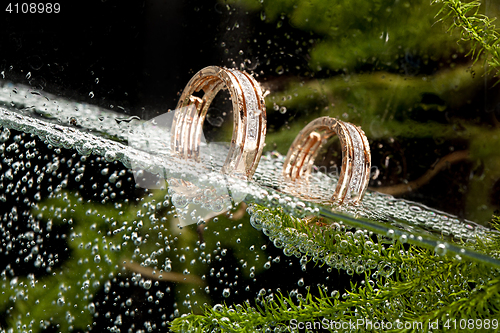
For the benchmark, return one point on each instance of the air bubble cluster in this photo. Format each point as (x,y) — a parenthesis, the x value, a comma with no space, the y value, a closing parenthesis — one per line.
(301,245)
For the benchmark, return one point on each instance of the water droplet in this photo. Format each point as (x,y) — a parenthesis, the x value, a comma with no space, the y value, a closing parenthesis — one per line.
(403,238)
(5,135)
(126,120)
(179,201)
(441,249)
(91,308)
(226,292)
(110,156)
(218,308)
(214,120)
(168,265)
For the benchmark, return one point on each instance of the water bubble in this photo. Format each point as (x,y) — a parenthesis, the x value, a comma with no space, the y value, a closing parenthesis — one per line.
(85,284)
(386,270)
(441,249)
(403,238)
(256,222)
(278,243)
(226,292)
(360,269)
(5,135)
(300,283)
(97,258)
(215,121)
(168,266)
(147,284)
(179,201)
(91,308)
(110,156)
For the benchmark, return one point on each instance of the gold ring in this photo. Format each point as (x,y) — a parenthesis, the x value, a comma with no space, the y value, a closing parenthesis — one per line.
(356,157)
(249,114)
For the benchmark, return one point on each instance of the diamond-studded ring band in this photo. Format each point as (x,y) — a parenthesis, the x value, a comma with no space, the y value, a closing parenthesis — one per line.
(249,114)
(356,158)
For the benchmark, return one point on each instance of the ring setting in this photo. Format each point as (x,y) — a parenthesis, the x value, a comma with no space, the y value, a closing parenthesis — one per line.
(249,118)
(356,158)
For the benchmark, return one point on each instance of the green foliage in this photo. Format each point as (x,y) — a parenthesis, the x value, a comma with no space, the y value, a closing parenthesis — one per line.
(385,33)
(64,296)
(139,242)
(352,34)
(364,100)
(401,282)
(476,28)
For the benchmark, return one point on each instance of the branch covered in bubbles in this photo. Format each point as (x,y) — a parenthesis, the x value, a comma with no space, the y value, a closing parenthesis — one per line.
(401,282)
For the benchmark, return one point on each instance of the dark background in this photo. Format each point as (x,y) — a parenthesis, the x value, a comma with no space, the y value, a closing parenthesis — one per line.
(137,55)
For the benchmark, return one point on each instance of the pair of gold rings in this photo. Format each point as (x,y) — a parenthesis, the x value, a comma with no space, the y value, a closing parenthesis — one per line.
(249,132)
